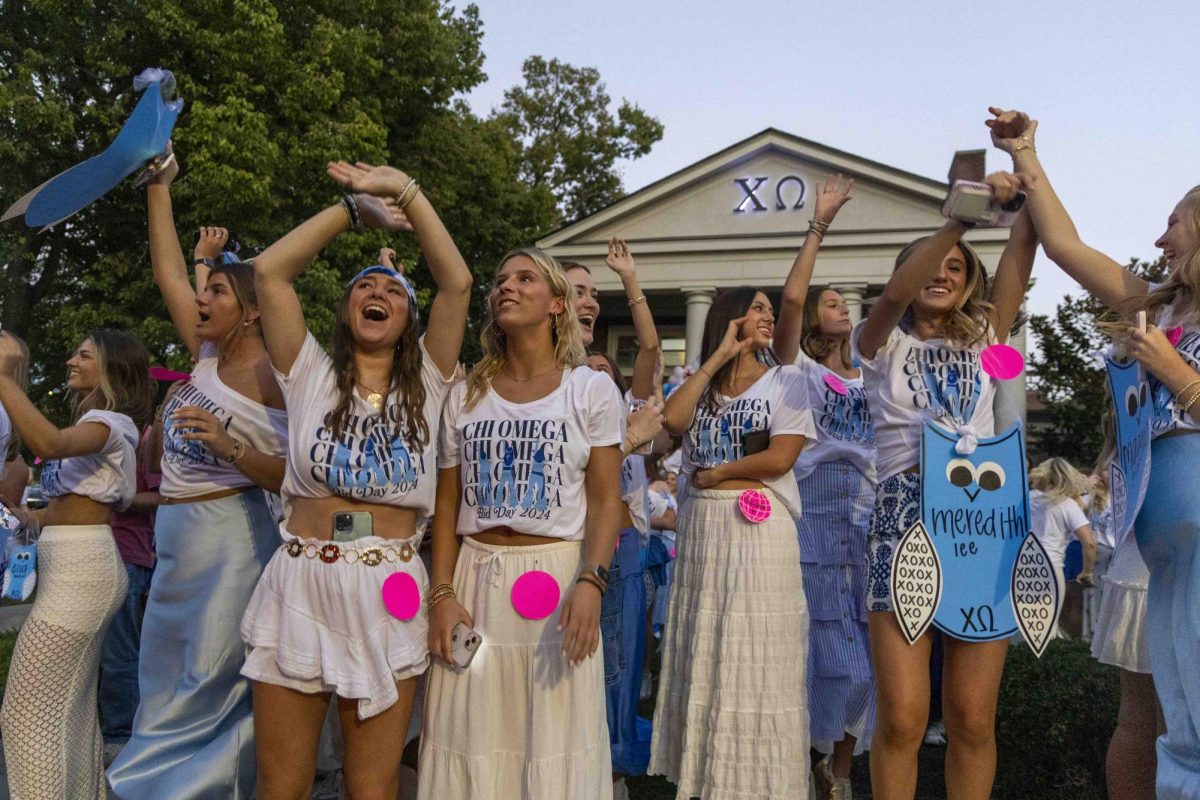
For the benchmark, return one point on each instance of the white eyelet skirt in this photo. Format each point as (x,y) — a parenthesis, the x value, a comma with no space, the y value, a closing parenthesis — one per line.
(519,722)
(316,627)
(732,718)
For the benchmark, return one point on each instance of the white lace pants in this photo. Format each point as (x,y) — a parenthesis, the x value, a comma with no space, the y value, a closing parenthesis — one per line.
(51,733)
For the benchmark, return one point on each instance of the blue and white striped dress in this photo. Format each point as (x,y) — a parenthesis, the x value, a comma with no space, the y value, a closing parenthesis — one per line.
(836,478)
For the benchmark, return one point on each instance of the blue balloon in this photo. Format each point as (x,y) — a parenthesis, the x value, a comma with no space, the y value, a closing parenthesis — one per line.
(975,508)
(143,138)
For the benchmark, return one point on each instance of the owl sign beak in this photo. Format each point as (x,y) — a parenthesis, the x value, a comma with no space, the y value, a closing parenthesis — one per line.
(971,496)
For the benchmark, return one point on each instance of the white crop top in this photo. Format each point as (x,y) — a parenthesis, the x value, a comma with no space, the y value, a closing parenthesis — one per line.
(522,464)
(910,381)
(369,462)
(842,420)
(189,468)
(776,404)
(108,477)
(1166,416)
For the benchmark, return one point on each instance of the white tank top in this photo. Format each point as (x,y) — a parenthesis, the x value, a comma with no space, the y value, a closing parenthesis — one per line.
(189,468)
(108,477)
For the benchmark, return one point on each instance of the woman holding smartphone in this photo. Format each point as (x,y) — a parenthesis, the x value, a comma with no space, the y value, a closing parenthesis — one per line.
(51,731)
(526,719)
(357,495)
(935,316)
(1168,525)
(731,715)
(223,434)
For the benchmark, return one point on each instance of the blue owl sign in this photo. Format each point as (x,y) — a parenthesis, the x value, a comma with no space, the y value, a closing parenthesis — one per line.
(20,576)
(975,515)
(1129,470)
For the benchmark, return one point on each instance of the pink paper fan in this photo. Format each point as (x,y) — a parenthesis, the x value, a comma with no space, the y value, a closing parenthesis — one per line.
(1002,362)
(535,595)
(1174,335)
(401,597)
(835,383)
(755,505)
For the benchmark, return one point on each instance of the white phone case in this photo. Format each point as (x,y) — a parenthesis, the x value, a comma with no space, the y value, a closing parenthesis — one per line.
(464,644)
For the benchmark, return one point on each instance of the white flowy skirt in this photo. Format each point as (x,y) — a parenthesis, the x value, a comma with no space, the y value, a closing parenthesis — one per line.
(519,723)
(732,716)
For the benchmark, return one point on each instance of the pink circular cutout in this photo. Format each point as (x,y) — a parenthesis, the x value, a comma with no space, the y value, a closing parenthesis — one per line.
(1174,335)
(401,597)
(535,595)
(672,552)
(835,383)
(755,505)
(1002,362)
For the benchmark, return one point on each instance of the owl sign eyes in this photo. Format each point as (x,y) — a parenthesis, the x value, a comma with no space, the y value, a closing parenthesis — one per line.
(1136,397)
(988,476)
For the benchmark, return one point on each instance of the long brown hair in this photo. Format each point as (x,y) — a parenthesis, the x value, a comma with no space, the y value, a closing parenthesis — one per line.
(970,321)
(617,377)
(815,344)
(406,376)
(729,305)
(125,384)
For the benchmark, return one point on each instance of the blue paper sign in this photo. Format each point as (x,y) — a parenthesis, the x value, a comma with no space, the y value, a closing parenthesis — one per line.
(144,137)
(20,576)
(1129,472)
(975,511)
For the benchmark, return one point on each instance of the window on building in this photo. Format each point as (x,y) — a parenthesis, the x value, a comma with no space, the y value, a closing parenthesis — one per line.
(623,346)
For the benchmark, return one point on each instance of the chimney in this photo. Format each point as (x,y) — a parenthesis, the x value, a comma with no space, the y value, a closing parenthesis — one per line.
(968,165)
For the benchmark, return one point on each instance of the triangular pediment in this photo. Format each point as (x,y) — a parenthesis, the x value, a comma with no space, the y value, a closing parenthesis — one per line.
(760,188)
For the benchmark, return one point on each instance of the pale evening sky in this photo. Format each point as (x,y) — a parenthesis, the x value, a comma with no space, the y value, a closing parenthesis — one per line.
(1112,85)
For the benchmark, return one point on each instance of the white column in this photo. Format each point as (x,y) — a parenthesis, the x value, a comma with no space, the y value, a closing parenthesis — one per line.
(698,302)
(853,294)
(1010,395)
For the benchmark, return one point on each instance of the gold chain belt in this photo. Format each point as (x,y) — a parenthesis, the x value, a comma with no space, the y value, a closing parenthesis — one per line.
(331,552)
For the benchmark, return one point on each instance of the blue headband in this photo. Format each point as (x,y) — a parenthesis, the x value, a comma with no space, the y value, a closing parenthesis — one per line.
(379,269)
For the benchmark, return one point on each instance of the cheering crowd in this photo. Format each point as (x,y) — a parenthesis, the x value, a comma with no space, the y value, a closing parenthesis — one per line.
(297,485)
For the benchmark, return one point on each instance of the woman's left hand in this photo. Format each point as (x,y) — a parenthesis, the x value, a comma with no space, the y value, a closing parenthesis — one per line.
(10,355)
(204,427)
(381,181)
(706,478)
(1152,349)
(580,623)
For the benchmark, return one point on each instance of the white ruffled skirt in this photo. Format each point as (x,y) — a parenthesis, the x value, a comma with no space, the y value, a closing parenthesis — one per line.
(316,627)
(1119,636)
(519,722)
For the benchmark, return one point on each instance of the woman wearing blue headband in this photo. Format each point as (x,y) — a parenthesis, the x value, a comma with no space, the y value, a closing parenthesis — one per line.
(337,611)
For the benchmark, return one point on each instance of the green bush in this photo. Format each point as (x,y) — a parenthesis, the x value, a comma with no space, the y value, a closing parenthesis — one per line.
(1055,718)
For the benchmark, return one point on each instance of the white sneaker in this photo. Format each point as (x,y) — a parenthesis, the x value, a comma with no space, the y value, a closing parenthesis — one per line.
(935,734)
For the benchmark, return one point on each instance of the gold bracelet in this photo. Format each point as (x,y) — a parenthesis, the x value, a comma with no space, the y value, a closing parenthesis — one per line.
(1021,145)
(1183,391)
(1187,407)
(239,450)
(706,372)
(641,299)
(433,603)
(1179,402)
(815,224)
(407,194)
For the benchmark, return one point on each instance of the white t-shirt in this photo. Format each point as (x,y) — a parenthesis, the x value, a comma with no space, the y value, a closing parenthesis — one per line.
(189,468)
(1166,416)
(634,485)
(660,503)
(776,403)
(369,462)
(909,381)
(108,477)
(1101,522)
(522,465)
(842,421)
(1054,523)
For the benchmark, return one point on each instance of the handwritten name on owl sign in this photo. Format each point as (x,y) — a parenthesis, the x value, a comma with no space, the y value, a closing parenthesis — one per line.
(1129,470)
(975,521)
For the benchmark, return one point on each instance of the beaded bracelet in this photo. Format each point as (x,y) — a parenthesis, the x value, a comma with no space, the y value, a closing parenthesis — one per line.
(351,206)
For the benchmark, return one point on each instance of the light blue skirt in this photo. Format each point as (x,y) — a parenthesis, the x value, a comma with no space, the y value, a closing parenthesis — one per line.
(1168,536)
(193,736)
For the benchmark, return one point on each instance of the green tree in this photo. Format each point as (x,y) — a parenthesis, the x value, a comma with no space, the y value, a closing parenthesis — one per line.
(1067,376)
(570,140)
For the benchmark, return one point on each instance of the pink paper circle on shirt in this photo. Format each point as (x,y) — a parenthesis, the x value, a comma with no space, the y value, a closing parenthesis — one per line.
(1002,362)
(535,595)
(1174,335)
(401,597)
(835,383)
(755,505)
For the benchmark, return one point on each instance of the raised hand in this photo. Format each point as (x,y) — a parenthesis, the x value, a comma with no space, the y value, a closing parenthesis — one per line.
(163,170)
(212,241)
(619,259)
(732,345)
(831,197)
(382,215)
(381,181)
(1011,129)
(1004,185)
(10,355)
(387,257)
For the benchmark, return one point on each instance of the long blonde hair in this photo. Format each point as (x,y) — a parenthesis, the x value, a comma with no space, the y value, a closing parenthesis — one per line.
(1181,289)
(565,332)
(970,322)
(1057,479)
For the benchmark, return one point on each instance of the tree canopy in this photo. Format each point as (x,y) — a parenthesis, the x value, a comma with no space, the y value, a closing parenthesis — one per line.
(273,90)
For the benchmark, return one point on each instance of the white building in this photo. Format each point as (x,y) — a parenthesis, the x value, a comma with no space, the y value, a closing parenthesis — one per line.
(739,217)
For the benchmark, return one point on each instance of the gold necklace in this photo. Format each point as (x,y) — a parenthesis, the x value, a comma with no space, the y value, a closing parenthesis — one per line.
(515,379)
(374,397)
